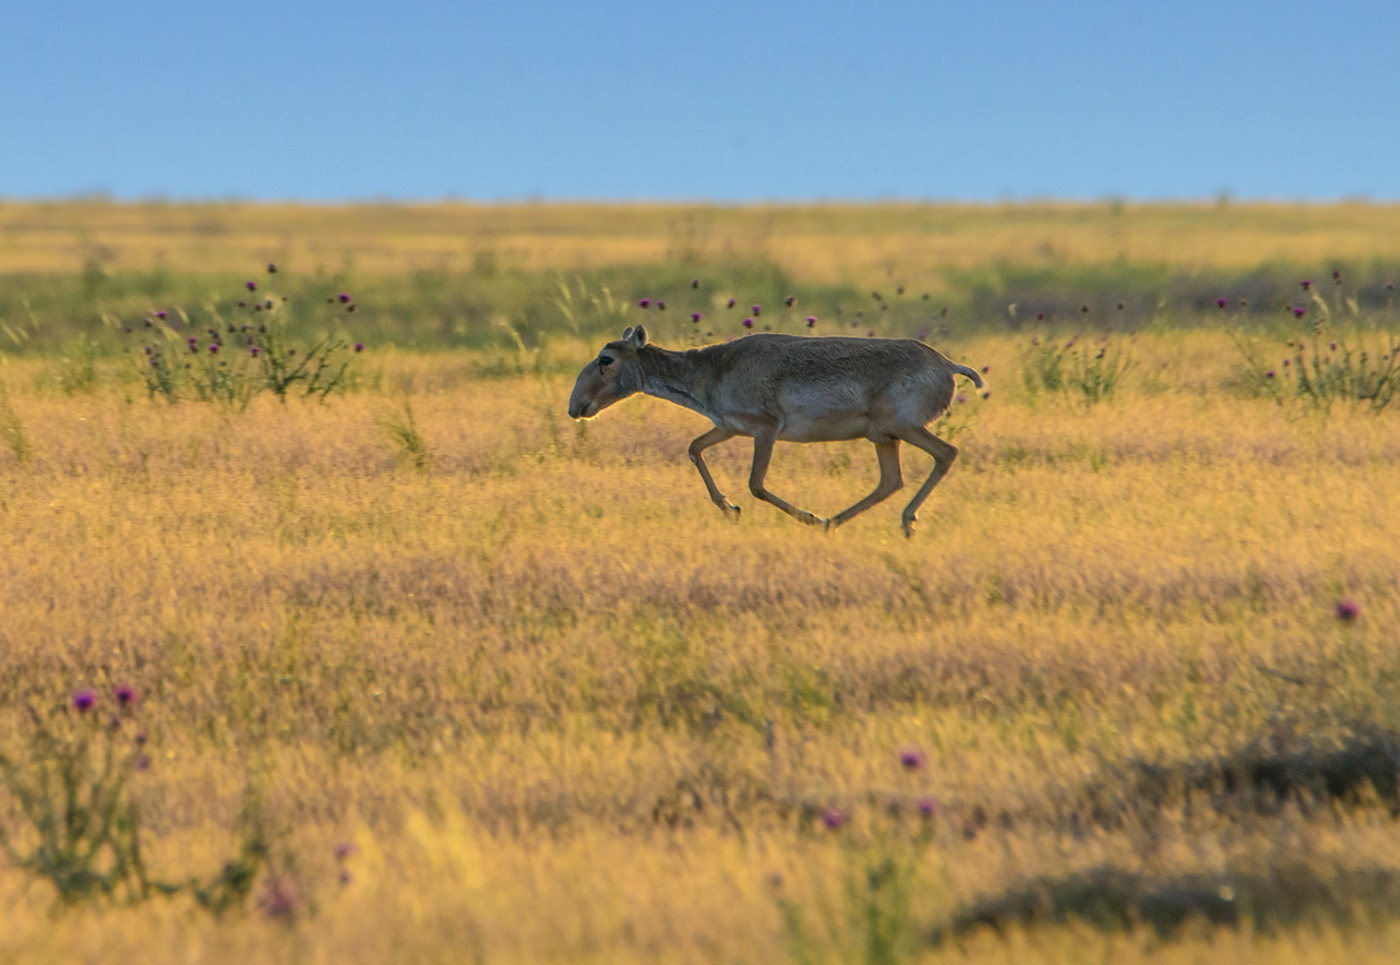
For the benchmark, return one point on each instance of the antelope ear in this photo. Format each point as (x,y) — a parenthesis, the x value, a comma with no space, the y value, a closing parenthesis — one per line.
(639,336)
(627,333)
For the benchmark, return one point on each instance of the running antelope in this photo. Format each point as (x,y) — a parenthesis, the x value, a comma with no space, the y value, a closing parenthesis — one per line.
(796,389)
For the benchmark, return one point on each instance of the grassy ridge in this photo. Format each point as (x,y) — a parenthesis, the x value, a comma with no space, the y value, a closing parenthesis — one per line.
(454,275)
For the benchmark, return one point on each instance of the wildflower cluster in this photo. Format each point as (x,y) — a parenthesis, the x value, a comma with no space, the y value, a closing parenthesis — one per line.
(883,862)
(78,823)
(1339,357)
(745,316)
(242,349)
(1087,369)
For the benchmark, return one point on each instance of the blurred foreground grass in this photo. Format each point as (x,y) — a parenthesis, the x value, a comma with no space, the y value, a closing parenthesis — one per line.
(564,711)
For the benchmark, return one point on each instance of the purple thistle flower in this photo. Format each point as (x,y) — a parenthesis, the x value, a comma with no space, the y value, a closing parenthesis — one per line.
(126,695)
(252,286)
(193,346)
(1348,610)
(660,305)
(811,321)
(1306,283)
(279,898)
(214,349)
(929,807)
(83,700)
(987,394)
(1040,316)
(359,346)
(731,303)
(962,399)
(253,351)
(757,309)
(644,303)
(344,298)
(748,323)
(1221,302)
(695,317)
(912,758)
(160,314)
(790,301)
(1270,374)
(242,303)
(271,269)
(695,283)
(142,763)
(344,850)
(834,819)
(1287,363)
(1337,275)
(1299,311)
(870,334)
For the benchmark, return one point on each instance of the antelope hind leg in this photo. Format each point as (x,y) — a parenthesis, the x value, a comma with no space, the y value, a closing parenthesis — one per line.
(891,480)
(943,454)
(762,455)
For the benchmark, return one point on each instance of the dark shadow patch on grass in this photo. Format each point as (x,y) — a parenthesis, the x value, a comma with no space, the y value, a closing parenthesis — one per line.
(1113,899)
(1361,764)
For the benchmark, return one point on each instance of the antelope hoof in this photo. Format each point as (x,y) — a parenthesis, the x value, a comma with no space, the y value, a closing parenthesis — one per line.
(908,526)
(730,510)
(811,520)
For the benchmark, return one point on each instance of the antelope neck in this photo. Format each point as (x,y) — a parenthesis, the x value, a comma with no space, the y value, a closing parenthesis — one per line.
(675,377)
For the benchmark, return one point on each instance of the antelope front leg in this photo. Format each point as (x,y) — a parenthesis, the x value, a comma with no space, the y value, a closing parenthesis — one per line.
(762,455)
(697,447)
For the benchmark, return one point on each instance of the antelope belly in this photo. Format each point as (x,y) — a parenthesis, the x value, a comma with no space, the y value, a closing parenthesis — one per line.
(824,427)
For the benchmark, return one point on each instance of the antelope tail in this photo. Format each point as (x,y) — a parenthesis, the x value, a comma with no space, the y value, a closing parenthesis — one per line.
(970,373)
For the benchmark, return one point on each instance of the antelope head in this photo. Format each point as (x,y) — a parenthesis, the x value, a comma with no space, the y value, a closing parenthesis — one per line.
(614,375)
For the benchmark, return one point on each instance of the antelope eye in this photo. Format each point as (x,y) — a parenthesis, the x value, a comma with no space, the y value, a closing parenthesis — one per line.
(605,360)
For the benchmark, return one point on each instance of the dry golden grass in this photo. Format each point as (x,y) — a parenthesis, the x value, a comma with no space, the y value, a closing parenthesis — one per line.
(566,712)
(819,243)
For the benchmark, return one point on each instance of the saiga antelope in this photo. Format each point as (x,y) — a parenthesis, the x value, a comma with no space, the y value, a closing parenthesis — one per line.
(795,389)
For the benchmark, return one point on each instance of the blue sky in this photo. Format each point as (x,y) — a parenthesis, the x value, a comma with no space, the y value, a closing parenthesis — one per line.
(729,101)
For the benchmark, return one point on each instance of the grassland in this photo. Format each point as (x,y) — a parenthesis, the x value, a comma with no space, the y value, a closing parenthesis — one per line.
(564,711)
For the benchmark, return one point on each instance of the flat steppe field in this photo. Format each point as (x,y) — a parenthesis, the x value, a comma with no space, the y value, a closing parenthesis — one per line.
(1131,691)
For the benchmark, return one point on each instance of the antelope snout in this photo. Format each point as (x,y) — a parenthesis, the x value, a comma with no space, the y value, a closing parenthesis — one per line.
(577,409)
